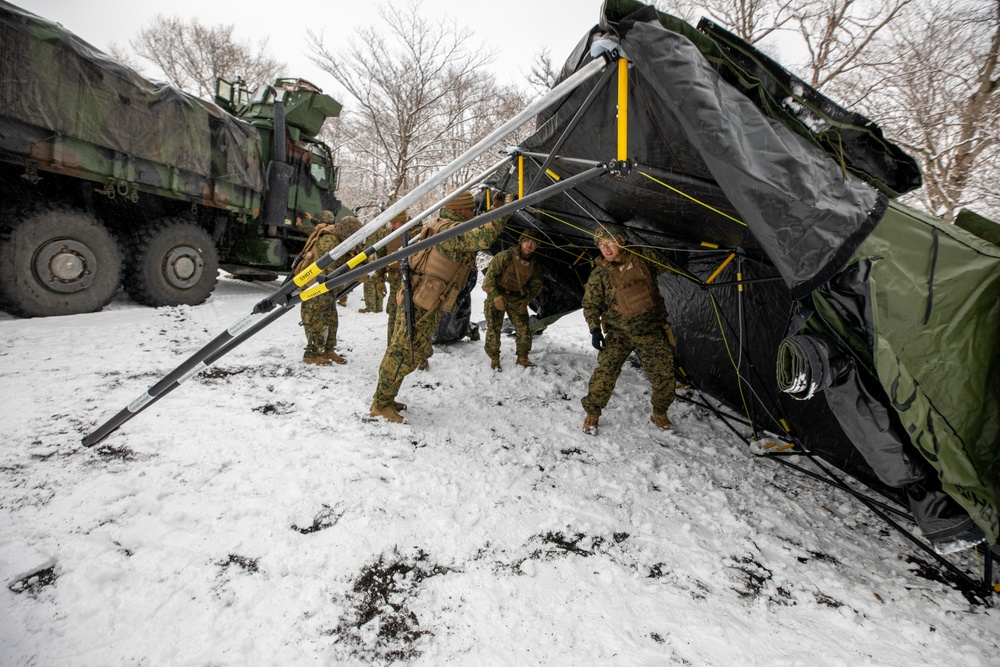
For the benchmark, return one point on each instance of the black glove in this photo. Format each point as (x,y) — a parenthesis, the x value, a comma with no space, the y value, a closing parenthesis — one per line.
(597,338)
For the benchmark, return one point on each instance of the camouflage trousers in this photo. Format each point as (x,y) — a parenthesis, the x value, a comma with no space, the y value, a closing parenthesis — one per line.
(395,283)
(657,361)
(319,319)
(374,295)
(396,363)
(494,322)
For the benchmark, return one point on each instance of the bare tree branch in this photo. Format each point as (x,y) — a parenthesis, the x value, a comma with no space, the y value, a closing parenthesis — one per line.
(192,56)
(420,96)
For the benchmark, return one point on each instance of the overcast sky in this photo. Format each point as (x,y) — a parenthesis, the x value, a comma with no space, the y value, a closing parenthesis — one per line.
(503,27)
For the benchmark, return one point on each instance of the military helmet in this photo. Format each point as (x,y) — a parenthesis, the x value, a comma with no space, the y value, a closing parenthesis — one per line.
(613,232)
(326,217)
(347,226)
(461,200)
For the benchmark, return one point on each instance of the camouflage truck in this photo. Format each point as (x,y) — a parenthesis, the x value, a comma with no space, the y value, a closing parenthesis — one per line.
(108,179)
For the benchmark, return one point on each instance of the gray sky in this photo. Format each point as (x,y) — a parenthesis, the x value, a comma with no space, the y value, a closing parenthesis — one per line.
(563,23)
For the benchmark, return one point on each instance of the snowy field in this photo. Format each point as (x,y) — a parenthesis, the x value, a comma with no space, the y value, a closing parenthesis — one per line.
(258,516)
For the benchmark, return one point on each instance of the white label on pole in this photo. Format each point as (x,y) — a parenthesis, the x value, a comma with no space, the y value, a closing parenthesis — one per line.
(140,403)
(241,326)
(191,373)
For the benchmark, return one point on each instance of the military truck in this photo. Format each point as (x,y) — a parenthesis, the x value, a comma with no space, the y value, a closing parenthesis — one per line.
(108,179)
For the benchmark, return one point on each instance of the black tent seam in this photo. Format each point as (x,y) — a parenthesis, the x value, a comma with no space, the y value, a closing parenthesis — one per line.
(843,254)
(930,278)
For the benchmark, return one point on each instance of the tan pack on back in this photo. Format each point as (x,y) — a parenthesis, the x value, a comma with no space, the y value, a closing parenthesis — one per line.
(309,253)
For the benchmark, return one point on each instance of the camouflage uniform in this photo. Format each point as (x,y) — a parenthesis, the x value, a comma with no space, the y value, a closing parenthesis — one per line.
(319,314)
(395,280)
(374,287)
(516,304)
(392,275)
(396,363)
(645,333)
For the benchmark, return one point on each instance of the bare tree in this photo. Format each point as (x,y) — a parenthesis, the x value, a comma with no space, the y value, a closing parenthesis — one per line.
(417,87)
(837,33)
(544,75)
(934,85)
(192,56)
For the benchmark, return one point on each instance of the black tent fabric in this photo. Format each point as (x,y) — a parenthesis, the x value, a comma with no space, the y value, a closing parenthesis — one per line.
(759,195)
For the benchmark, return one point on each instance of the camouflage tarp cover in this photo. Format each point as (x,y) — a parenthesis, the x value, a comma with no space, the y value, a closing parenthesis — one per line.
(52,79)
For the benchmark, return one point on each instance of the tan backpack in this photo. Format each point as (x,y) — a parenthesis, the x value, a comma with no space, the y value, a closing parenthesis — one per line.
(309,252)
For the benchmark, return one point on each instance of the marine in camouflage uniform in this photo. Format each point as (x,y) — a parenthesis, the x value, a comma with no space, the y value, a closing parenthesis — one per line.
(622,296)
(392,273)
(319,314)
(397,363)
(513,279)
(375,285)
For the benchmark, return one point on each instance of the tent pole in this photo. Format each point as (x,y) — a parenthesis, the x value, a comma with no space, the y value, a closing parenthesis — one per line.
(577,117)
(570,84)
(325,283)
(622,110)
(561,158)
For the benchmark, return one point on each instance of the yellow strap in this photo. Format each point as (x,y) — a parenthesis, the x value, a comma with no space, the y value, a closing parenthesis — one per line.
(552,174)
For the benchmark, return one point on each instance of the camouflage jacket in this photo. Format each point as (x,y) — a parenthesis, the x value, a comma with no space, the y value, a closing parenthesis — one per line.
(466,245)
(500,263)
(414,234)
(599,296)
(327,242)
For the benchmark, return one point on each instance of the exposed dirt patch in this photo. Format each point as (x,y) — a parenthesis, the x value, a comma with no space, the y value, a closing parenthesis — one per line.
(325,518)
(33,583)
(378,625)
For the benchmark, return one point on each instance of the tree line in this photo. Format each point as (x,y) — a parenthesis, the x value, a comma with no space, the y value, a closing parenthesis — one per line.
(420,92)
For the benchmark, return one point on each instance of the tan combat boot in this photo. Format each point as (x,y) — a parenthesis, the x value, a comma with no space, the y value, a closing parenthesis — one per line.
(495,364)
(334,357)
(423,365)
(590,424)
(661,420)
(317,361)
(523,361)
(388,413)
(399,406)
(362,310)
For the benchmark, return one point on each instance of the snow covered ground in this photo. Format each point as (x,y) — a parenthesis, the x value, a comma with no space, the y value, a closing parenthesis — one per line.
(258,516)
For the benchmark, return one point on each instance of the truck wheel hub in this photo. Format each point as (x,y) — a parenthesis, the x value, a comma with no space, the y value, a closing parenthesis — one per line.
(184,267)
(65,266)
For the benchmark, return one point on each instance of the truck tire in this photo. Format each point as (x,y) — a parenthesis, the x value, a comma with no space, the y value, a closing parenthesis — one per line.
(171,263)
(59,261)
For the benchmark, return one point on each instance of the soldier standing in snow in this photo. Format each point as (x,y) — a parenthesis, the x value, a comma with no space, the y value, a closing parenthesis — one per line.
(392,273)
(319,314)
(513,279)
(622,296)
(375,284)
(437,276)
